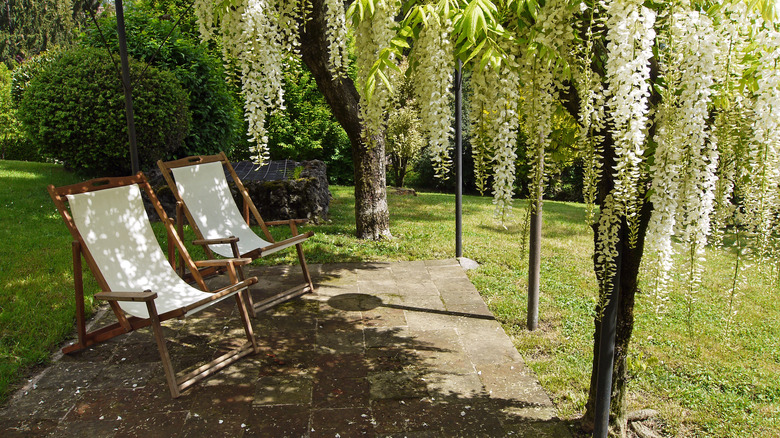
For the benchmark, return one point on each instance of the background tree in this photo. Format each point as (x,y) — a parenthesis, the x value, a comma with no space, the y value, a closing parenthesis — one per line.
(256,37)
(9,124)
(404,139)
(306,129)
(29,27)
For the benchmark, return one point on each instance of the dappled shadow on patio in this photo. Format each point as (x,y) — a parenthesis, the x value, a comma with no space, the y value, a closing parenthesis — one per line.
(381,349)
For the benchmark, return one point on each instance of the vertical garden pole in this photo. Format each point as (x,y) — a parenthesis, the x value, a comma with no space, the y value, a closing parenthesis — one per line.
(458,161)
(120,30)
(535,253)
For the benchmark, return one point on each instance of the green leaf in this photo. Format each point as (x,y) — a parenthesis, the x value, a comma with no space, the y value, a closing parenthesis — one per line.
(473,20)
(400,42)
(486,57)
(475,51)
(384,79)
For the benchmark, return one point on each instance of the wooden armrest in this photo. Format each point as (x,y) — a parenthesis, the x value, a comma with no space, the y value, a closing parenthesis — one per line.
(203,242)
(223,262)
(146,295)
(287,222)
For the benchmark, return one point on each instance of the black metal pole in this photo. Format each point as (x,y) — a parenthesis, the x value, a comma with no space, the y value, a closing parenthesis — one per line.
(459,161)
(535,254)
(607,353)
(120,30)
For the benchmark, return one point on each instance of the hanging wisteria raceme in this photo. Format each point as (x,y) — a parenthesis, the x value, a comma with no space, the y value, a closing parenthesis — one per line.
(484,95)
(495,121)
(606,250)
(686,159)
(204,12)
(432,82)
(336,34)
(257,34)
(374,32)
(591,119)
(665,172)
(507,122)
(760,202)
(698,42)
(728,127)
(537,110)
(230,27)
(540,83)
(262,69)
(256,37)
(724,209)
(630,36)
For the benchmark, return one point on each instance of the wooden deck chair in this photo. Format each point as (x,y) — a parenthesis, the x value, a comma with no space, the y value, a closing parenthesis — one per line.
(112,232)
(203,196)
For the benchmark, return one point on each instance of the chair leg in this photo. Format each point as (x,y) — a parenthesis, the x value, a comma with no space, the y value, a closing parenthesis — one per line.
(250,303)
(78,286)
(246,293)
(170,374)
(241,276)
(304,267)
(250,335)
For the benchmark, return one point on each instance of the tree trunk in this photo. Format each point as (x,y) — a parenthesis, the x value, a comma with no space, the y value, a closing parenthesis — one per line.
(398,165)
(372,217)
(629,273)
(402,166)
(631,258)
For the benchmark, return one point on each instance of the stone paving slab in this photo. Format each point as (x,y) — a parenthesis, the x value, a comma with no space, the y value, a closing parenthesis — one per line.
(404,349)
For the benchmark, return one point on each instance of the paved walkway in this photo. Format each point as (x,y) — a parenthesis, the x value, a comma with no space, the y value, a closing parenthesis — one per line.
(382,349)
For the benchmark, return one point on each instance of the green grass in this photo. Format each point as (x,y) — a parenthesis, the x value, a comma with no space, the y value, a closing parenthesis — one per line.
(36,293)
(705,378)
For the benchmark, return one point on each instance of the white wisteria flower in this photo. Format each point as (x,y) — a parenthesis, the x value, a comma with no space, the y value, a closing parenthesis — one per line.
(433,79)
(630,36)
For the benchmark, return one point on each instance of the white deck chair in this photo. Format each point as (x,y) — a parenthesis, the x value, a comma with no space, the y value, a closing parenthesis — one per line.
(205,199)
(111,230)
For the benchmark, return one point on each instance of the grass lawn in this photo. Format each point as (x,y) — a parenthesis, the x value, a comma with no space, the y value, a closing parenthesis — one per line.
(706,378)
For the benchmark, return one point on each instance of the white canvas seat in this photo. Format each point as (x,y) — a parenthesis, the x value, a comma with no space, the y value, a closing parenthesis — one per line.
(112,231)
(205,199)
(126,251)
(205,192)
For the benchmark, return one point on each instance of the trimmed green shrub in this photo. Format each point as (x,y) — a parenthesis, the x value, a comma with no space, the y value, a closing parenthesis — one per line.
(9,125)
(73,110)
(14,144)
(24,73)
(217,117)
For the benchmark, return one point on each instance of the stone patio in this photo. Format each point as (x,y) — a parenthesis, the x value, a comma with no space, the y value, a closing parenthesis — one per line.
(403,349)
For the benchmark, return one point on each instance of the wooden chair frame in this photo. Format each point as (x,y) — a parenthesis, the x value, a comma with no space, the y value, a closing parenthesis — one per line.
(248,207)
(127,324)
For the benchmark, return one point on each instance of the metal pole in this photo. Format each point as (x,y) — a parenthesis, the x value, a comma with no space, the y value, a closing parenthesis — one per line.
(458,161)
(535,253)
(535,260)
(120,30)
(607,353)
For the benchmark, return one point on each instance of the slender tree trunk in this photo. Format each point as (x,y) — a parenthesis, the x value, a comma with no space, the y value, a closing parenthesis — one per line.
(372,217)
(631,258)
(629,274)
